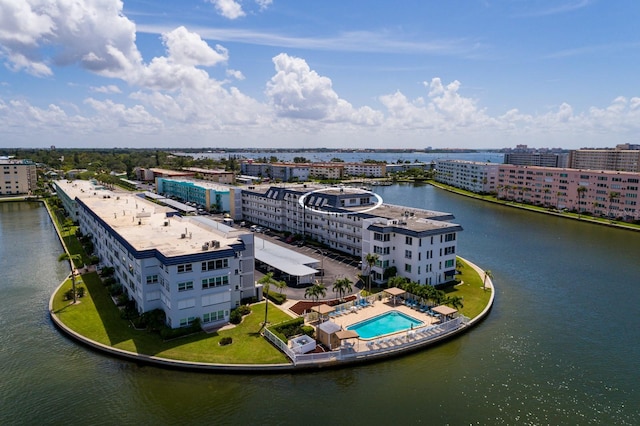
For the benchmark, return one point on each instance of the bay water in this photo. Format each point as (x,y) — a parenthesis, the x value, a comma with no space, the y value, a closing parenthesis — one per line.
(561,344)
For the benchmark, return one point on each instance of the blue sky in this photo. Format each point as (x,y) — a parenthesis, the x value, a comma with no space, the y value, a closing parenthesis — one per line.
(336,74)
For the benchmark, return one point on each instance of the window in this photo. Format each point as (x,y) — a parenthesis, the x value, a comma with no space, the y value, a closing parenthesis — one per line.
(380,250)
(449,263)
(185,322)
(215,282)
(212,265)
(188,285)
(407,254)
(450,237)
(187,267)
(186,303)
(407,267)
(213,316)
(381,237)
(449,250)
(152,279)
(408,240)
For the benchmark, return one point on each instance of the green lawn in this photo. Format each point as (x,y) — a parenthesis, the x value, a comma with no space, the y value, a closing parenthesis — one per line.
(97,318)
(474,297)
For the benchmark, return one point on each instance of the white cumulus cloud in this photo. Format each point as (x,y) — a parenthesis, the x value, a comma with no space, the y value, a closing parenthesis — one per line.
(298,92)
(230,9)
(92,33)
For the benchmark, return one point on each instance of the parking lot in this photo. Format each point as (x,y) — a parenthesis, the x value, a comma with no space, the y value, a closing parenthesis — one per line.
(333,266)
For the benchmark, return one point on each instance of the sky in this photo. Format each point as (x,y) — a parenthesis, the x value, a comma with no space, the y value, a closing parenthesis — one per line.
(307,74)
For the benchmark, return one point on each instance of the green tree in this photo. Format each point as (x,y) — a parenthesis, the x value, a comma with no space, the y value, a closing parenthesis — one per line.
(342,286)
(266,282)
(370,259)
(72,260)
(454,302)
(280,285)
(612,196)
(581,193)
(315,292)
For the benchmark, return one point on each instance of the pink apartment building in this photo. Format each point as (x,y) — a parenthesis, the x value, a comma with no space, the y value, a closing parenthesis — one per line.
(598,192)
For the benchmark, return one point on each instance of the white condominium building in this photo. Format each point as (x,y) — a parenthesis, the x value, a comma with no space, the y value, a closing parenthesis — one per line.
(469,175)
(420,244)
(190,267)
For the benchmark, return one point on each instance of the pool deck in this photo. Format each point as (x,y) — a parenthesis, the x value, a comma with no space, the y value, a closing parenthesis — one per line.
(378,308)
(373,310)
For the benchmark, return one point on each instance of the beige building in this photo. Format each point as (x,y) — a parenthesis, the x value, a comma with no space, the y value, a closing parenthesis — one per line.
(621,160)
(18,177)
(326,170)
(217,176)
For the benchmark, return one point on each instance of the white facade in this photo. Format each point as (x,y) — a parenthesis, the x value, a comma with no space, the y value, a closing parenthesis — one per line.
(190,267)
(469,175)
(332,216)
(424,254)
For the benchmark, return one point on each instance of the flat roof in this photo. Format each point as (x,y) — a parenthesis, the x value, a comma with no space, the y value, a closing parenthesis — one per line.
(200,184)
(284,259)
(145,225)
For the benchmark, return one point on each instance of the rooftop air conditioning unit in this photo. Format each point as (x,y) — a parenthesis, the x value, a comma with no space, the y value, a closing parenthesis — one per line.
(183,236)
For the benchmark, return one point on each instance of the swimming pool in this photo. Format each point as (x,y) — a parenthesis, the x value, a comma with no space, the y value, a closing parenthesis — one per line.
(387,323)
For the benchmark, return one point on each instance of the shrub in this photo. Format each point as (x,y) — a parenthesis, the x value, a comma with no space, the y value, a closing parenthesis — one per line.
(235,317)
(94,260)
(173,333)
(68,295)
(80,291)
(107,271)
(276,298)
(226,341)
(153,320)
(287,329)
(109,281)
(244,309)
(249,300)
(122,299)
(115,289)
(129,312)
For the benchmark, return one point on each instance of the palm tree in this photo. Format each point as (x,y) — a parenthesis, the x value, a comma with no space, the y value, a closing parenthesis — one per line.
(455,302)
(612,196)
(266,282)
(581,192)
(371,259)
(487,274)
(280,285)
(72,258)
(315,292)
(342,286)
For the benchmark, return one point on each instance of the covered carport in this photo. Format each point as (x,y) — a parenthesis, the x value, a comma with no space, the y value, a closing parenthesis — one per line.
(292,263)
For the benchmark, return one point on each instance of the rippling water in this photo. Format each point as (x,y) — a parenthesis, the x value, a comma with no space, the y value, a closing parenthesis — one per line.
(560,346)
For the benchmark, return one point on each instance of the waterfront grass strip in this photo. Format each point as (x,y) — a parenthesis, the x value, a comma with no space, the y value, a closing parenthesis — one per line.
(97,318)
(474,297)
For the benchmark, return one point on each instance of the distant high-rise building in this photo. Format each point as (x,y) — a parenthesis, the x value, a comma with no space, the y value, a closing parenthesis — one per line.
(623,160)
(543,159)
